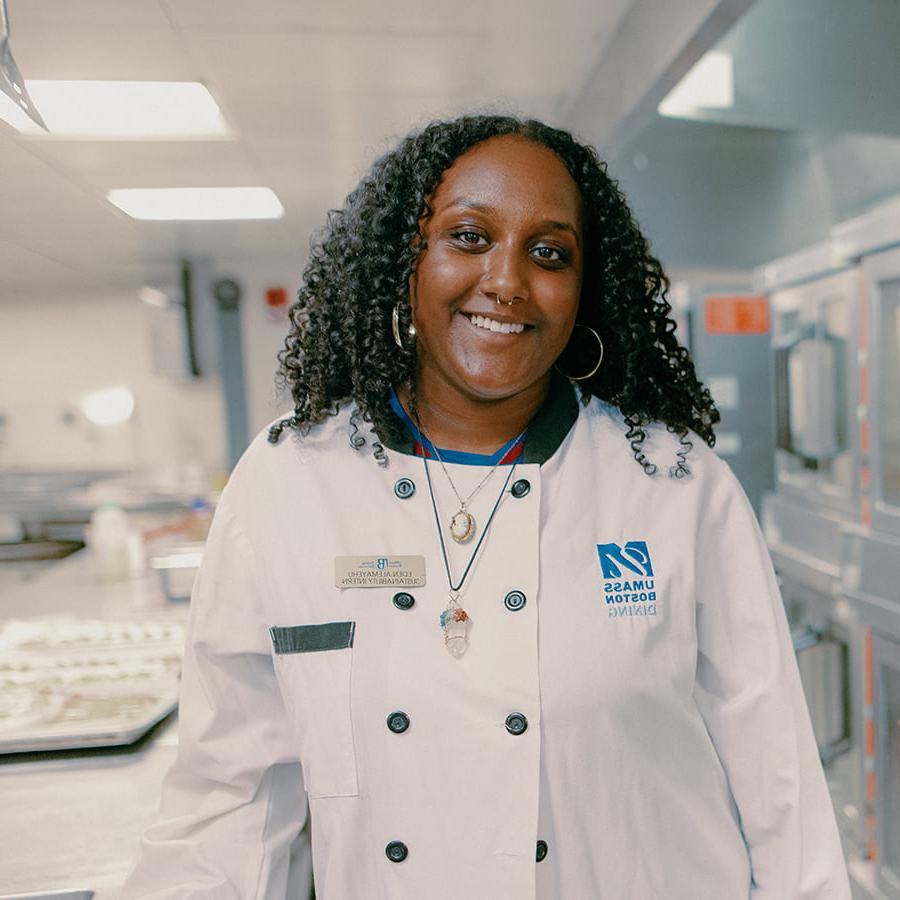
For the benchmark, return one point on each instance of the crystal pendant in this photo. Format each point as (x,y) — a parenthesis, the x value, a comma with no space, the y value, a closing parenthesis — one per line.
(462,526)
(455,625)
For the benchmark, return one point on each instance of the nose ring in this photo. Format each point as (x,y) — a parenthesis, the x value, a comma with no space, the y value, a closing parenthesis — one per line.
(508,302)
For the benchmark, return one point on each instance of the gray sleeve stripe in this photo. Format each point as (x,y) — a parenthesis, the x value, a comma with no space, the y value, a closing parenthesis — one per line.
(310,638)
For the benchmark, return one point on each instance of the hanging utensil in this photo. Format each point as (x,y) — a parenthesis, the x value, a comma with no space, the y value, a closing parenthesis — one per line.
(11,81)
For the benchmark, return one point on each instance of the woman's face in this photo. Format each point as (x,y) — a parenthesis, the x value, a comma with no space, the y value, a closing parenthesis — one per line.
(506,221)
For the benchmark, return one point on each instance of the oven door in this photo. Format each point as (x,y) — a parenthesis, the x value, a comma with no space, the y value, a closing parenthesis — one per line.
(815,390)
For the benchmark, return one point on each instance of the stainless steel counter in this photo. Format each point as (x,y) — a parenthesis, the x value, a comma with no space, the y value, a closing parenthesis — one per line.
(73,820)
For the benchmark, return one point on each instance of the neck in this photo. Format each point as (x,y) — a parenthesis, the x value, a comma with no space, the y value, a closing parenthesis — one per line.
(457,421)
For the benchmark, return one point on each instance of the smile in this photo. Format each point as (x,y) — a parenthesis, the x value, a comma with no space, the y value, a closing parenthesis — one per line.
(493,325)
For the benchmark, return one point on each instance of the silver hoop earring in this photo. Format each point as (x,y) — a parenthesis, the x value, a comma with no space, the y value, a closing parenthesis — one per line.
(395,327)
(596,366)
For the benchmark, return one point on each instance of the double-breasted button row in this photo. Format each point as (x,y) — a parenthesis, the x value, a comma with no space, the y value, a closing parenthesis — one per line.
(397,851)
(398,722)
(513,601)
(404,488)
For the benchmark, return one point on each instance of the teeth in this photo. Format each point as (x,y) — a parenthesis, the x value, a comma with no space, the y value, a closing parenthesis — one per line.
(494,325)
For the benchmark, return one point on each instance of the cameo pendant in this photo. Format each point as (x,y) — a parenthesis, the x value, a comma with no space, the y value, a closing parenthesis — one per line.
(462,526)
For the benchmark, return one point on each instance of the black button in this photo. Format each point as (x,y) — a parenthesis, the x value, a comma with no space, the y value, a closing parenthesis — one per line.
(398,722)
(521,487)
(516,723)
(396,851)
(404,488)
(514,601)
(541,854)
(404,600)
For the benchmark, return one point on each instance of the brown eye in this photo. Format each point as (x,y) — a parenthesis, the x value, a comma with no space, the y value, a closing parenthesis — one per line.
(550,254)
(469,237)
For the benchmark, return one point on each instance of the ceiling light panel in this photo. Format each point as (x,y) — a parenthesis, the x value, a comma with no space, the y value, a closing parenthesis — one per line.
(708,85)
(121,110)
(197,204)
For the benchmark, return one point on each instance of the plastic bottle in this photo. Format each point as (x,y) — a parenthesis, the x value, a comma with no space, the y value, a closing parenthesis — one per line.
(108,542)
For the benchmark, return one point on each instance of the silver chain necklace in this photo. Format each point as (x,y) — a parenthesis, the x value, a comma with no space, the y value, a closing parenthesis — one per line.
(454,619)
(462,524)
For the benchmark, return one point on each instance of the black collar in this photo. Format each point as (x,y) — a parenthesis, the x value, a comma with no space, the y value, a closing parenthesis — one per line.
(546,431)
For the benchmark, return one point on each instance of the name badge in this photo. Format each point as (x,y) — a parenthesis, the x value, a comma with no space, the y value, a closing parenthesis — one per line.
(379,571)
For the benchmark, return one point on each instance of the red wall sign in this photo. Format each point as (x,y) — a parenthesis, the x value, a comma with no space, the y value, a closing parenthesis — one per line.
(737,314)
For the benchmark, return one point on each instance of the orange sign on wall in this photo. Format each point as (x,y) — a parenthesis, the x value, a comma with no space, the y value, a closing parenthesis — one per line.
(737,314)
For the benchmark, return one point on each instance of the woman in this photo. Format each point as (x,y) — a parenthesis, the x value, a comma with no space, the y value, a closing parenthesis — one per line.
(497,642)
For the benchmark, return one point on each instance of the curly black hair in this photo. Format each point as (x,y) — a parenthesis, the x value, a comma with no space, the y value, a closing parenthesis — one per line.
(340,346)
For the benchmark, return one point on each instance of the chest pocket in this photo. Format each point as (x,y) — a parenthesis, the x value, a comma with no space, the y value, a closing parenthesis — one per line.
(313,664)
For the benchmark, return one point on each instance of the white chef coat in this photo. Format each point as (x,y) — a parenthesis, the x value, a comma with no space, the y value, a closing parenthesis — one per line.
(666,751)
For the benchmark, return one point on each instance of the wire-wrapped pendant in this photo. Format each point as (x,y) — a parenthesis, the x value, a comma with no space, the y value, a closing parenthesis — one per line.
(455,625)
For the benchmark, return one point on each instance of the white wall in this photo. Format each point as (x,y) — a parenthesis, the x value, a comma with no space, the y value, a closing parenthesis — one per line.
(54,351)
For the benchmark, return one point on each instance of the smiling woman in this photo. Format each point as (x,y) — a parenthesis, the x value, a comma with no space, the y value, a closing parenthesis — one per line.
(537,217)
(507,662)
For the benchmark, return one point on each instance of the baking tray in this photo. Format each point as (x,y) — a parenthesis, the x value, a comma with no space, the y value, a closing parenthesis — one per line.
(27,551)
(51,895)
(104,733)
(69,684)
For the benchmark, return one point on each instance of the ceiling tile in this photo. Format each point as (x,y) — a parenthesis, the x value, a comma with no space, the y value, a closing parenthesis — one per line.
(55,14)
(120,164)
(306,66)
(102,52)
(355,15)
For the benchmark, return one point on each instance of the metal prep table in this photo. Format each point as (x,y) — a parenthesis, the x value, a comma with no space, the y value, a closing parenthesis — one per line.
(74,819)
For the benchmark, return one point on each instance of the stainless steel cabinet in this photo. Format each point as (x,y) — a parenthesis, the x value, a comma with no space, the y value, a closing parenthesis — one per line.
(815,341)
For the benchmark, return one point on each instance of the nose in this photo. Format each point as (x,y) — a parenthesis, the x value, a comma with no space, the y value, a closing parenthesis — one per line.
(505,278)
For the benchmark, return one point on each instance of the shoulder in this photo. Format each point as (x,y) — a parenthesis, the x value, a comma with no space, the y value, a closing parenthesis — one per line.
(265,467)
(684,464)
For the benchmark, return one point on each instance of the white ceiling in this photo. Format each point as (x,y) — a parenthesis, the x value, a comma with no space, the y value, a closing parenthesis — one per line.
(311,90)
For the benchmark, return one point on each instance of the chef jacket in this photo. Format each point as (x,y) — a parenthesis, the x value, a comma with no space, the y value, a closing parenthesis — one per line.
(627,722)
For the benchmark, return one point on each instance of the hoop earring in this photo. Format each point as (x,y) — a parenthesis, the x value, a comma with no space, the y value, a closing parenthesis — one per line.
(395,327)
(596,366)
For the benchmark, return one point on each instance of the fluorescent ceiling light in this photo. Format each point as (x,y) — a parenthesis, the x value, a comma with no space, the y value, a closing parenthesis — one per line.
(153,297)
(108,407)
(167,204)
(708,85)
(120,110)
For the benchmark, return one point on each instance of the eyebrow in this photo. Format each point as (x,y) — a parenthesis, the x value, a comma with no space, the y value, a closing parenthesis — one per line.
(467,203)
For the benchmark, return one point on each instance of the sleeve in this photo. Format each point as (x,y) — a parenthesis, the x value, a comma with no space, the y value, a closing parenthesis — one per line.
(233,812)
(749,693)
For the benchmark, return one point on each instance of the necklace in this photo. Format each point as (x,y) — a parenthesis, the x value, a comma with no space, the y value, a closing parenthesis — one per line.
(454,619)
(462,523)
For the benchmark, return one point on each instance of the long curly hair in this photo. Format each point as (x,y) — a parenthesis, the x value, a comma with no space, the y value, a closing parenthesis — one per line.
(340,348)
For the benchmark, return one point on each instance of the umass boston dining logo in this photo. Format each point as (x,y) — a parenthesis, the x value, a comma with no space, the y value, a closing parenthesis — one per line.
(629,586)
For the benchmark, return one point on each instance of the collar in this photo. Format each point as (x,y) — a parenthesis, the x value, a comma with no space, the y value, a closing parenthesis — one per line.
(546,431)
